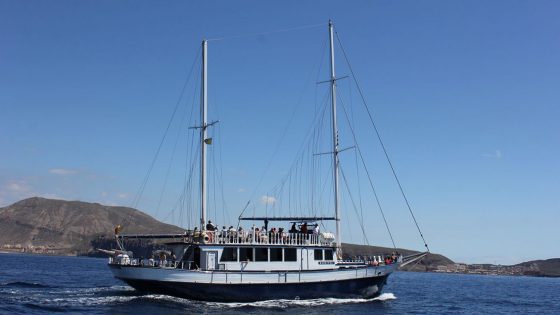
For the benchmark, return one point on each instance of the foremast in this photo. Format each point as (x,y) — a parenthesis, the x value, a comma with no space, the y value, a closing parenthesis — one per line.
(203,134)
(335,143)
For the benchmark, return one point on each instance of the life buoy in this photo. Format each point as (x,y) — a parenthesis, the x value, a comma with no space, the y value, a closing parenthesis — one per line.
(207,237)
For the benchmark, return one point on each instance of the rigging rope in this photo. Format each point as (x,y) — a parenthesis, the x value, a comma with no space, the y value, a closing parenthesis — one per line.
(354,205)
(140,191)
(296,28)
(368,175)
(380,141)
(146,177)
(170,164)
(284,133)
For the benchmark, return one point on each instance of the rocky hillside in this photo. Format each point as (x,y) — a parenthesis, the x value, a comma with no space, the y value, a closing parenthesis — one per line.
(68,227)
(545,268)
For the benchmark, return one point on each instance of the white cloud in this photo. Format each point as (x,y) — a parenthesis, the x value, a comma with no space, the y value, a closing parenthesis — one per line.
(241,190)
(496,155)
(18,187)
(268,200)
(122,195)
(15,190)
(62,171)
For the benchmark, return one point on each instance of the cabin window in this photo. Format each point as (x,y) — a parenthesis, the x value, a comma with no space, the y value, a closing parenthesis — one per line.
(328,254)
(246,254)
(261,254)
(290,254)
(229,254)
(276,254)
(318,253)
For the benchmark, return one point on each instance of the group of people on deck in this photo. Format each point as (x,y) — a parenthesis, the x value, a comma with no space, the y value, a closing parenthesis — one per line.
(264,234)
(304,229)
(389,259)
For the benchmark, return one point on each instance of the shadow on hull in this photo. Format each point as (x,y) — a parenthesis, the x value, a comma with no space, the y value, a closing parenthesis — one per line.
(353,288)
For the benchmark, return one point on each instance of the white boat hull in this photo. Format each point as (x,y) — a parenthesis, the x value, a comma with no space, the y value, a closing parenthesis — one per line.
(238,286)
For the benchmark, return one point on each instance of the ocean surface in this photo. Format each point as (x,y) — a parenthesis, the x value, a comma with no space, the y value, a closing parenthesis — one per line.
(31,284)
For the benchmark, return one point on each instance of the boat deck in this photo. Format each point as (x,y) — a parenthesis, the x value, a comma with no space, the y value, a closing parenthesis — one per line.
(244,238)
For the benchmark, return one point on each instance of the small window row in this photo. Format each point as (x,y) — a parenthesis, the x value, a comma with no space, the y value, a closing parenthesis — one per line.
(232,254)
(323,254)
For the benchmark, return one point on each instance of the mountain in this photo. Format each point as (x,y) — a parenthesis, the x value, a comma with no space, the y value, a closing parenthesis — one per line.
(545,268)
(69,227)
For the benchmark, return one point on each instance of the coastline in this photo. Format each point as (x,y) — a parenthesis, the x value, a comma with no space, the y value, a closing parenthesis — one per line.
(480,272)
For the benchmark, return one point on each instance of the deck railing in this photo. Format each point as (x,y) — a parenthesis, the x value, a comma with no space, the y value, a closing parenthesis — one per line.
(164,263)
(254,237)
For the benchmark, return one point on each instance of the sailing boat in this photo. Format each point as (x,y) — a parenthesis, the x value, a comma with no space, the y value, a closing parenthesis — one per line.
(236,265)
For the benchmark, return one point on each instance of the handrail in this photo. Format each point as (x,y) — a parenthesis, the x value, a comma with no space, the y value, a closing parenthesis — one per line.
(257,238)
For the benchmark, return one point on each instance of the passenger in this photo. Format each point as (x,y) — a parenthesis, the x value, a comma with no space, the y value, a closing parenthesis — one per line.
(264,236)
(375,262)
(293,229)
(304,228)
(223,234)
(241,235)
(210,226)
(151,261)
(272,235)
(257,234)
(162,259)
(231,233)
(316,230)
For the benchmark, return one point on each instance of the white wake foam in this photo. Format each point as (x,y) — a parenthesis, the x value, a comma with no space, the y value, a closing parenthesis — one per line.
(385,297)
(306,303)
(86,299)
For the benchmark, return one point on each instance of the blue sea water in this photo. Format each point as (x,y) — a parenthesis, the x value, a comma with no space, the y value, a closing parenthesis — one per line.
(31,284)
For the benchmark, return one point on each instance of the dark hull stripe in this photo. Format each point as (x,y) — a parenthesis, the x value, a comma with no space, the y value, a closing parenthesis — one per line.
(352,288)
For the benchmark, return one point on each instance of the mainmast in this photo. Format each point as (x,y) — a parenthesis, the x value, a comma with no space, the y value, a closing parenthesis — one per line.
(335,144)
(203,134)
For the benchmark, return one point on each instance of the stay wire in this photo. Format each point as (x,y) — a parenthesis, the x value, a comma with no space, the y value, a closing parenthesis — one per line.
(285,131)
(381,141)
(368,175)
(190,114)
(361,219)
(297,28)
(140,191)
(170,164)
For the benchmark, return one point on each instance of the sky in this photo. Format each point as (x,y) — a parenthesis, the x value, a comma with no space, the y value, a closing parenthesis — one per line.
(464,93)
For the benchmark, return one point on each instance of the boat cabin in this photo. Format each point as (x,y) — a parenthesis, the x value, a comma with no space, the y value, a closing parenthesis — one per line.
(227,252)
